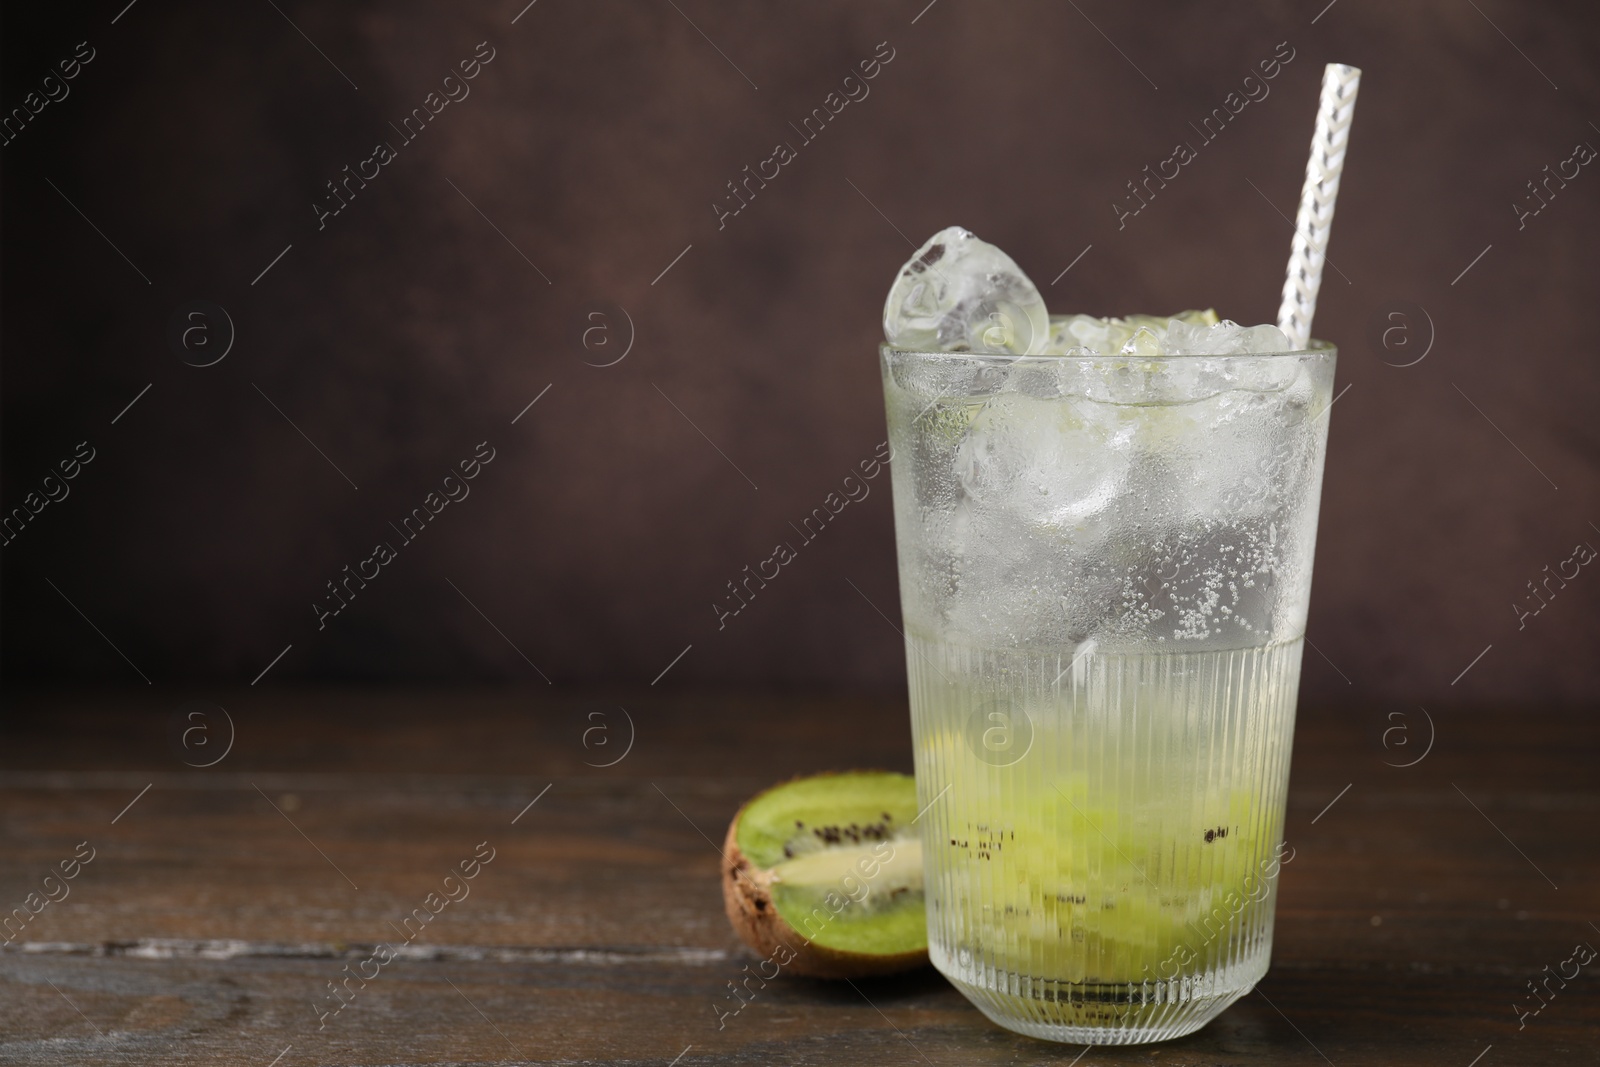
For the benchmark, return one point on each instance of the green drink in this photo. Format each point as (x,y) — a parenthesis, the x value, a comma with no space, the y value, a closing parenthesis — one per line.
(1105,564)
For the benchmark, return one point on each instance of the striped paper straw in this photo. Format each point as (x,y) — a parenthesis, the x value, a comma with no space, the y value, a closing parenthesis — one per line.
(1314,221)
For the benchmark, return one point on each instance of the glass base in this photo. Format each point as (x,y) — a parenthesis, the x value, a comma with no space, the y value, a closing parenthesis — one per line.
(1084,1013)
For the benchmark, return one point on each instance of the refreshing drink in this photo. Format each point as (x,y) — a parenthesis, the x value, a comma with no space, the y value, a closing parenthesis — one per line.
(1105,533)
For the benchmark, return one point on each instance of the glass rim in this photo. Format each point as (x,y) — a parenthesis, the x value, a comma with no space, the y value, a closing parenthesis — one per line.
(1316,349)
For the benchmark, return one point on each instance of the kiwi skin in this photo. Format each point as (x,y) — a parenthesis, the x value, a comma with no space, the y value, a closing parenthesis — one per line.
(746,899)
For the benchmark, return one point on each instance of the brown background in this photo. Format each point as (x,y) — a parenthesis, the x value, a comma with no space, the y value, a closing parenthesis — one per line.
(596,141)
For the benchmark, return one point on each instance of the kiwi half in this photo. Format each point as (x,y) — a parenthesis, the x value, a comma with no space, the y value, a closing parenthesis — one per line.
(824,875)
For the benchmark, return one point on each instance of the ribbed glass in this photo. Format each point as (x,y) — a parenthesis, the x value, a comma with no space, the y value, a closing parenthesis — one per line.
(1102,831)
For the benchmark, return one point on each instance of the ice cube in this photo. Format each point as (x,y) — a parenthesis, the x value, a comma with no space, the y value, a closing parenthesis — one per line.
(1062,341)
(1078,334)
(1145,342)
(960,294)
(1074,334)
(1186,339)
(1037,481)
(1226,338)
(1046,463)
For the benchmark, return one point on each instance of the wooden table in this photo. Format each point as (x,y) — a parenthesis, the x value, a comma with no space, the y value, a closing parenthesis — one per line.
(222,901)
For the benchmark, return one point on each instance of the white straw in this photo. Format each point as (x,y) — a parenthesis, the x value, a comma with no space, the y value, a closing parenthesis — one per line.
(1314,221)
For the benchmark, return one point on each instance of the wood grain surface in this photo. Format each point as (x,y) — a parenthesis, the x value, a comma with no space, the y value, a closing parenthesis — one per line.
(218,907)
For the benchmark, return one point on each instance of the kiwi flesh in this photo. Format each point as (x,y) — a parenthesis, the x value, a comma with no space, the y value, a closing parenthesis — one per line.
(823,875)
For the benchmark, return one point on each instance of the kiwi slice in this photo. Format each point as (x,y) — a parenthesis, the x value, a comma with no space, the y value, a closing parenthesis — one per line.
(824,875)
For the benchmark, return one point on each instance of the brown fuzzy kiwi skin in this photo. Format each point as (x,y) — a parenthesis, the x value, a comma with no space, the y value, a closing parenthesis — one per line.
(746,899)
